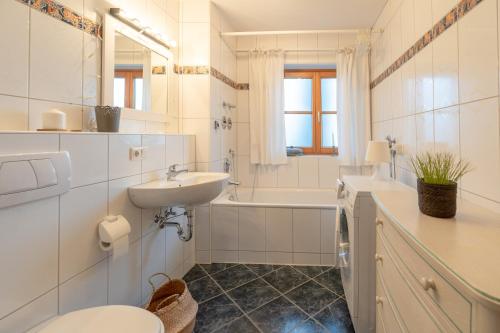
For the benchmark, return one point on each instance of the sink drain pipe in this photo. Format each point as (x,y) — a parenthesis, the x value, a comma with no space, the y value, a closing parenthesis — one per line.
(163,220)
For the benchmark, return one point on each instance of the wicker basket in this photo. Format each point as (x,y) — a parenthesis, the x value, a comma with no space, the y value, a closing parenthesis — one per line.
(437,200)
(174,305)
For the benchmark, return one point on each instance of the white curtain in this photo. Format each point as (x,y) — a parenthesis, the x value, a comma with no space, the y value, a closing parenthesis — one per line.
(353,91)
(267,116)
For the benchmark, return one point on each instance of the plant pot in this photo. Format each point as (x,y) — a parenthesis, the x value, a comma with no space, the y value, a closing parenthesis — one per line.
(107,118)
(437,200)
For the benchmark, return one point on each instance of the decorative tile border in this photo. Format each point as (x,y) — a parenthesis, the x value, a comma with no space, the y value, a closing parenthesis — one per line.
(203,70)
(192,70)
(66,15)
(459,11)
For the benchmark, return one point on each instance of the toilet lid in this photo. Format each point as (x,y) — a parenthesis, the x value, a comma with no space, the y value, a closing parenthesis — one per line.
(106,319)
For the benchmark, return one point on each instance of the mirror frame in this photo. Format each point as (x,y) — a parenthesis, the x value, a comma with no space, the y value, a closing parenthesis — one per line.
(111,27)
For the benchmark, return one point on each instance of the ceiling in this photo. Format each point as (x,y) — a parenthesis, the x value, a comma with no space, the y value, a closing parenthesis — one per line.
(265,15)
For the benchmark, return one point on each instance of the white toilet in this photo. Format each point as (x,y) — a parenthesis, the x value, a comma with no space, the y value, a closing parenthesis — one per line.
(104,319)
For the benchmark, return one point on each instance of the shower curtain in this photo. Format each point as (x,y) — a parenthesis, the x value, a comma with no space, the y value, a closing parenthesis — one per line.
(353,91)
(267,116)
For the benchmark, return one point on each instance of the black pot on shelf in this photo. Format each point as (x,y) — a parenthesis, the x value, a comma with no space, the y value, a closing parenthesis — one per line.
(107,118)
(437,200)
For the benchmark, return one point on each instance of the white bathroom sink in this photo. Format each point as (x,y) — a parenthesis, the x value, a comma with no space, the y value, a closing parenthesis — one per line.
(186,189)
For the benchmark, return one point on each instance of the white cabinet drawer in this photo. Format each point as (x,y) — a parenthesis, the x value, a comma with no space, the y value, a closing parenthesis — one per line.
(414,316)
(425,279)
(386,317)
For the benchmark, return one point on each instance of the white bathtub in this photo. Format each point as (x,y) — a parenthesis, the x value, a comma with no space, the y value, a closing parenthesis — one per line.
(279,197)
(275,226)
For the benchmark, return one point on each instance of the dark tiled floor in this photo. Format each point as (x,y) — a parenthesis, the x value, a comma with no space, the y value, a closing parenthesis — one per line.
(268,298)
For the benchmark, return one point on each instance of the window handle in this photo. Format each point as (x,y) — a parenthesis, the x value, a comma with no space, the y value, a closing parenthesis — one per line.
(318,116)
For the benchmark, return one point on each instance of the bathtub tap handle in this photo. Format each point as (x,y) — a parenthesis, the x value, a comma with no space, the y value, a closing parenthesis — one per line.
(233,182)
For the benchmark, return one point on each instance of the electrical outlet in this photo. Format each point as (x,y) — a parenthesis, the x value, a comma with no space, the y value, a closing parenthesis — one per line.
(136,153)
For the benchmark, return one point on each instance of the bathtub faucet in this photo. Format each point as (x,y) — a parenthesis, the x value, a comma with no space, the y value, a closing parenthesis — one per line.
(233,182)
(173,172)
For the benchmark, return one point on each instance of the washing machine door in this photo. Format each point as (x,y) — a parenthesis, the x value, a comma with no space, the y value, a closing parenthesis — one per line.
(342,238)
(347,251)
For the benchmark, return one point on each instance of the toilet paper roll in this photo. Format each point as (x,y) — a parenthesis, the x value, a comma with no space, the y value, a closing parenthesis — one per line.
(113,234)
(54,120)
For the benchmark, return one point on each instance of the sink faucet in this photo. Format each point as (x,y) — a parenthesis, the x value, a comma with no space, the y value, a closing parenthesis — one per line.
(173,172)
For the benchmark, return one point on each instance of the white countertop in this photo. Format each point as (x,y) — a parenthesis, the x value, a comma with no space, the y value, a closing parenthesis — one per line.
(467,245)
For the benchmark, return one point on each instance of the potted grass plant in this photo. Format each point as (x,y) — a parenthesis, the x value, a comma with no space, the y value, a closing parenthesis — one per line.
(437,177)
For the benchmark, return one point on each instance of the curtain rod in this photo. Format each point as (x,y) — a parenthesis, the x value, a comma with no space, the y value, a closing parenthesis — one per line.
(290,32)
(301,50)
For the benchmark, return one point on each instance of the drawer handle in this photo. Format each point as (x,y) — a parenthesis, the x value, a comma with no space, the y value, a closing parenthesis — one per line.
(379,300)
(378,257)
(427,283)
(379,222)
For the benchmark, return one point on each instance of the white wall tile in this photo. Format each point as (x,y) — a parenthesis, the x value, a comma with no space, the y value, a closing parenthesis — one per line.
(423,17)
(29,242)
(408,24)
(31,314)
(119,204)
(266,42)
(120,163)
(153,260)
(243,139)
(224,256)
(425,132)
(328,171)
(224,222)
(174,249)
(174,146)
(279,229)
(328,259)
(195,44)
(251,257)
(82,209)
(15,16)
(59,58)
(252,229)
(396,94)
(328,231)
(480,145)
(196,96)
(405,133)
(288,175)
(74,114)
(87,289)
(125,277)
(28,143)
(14,111)
(243,112)
(195,10)
(279,258)
(89,157)
(267,176)
(203,257)
(408,89)
(445,68)
(423,80)
(328,41)
(308,172)
(306,230)
(91,70)
(447,130)
(440,8)
(478,56)
(202,228)
(308,259)
(154,158)
(189,147)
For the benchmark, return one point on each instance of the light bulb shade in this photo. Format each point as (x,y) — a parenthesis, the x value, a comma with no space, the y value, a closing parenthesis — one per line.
(378,152)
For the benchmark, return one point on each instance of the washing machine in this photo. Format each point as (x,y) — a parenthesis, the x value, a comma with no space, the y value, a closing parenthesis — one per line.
(356,246)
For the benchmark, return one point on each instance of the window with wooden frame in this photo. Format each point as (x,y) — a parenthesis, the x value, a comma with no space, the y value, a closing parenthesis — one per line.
(128,85)
(311,110)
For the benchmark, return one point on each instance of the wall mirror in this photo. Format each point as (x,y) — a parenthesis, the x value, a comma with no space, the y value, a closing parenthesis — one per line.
(135,72)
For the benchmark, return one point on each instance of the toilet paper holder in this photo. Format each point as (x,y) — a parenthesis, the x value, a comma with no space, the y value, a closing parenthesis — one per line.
(111,229)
